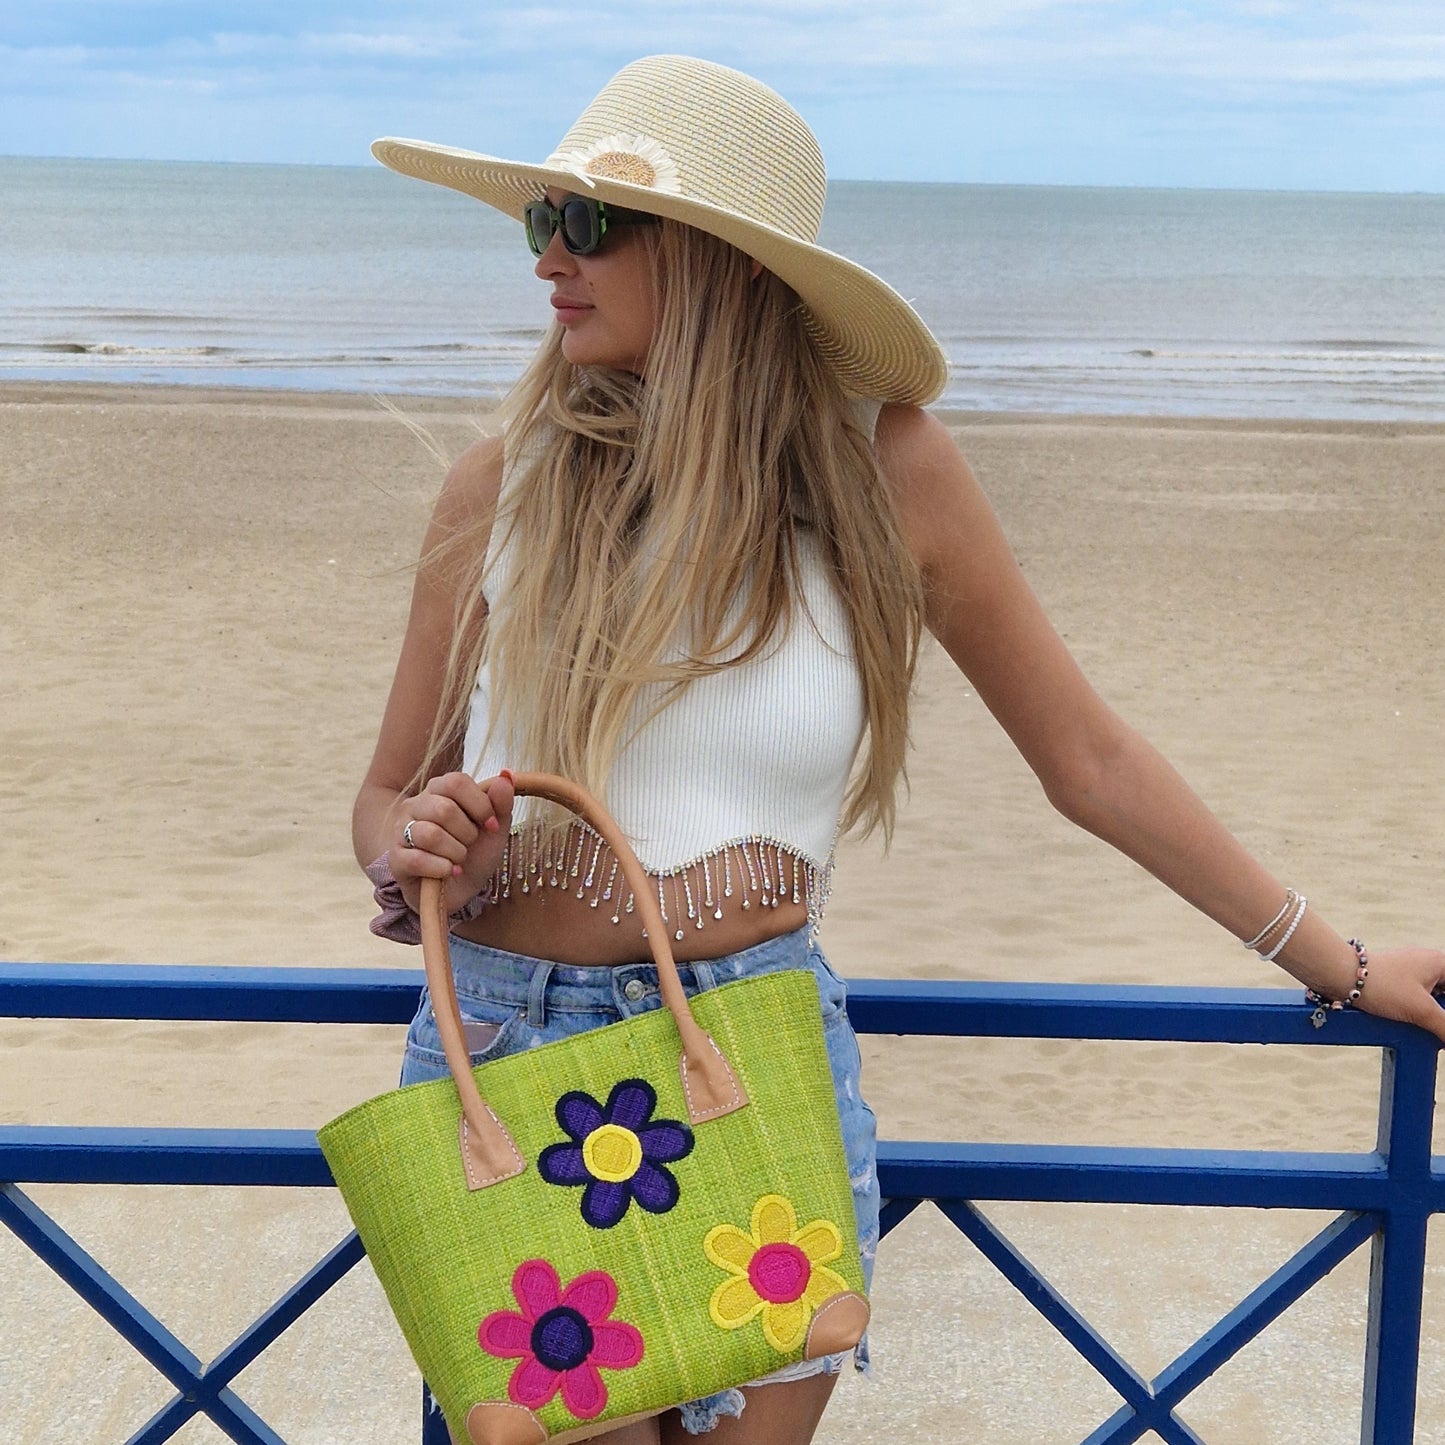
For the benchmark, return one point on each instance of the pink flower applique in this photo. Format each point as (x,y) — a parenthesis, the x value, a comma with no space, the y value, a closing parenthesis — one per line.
(561,1338)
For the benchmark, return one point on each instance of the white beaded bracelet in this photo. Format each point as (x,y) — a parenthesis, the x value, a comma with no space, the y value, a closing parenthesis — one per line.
(1289,932)
(1290,899)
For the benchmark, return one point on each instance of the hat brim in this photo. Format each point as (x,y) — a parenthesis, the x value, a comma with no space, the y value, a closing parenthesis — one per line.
(874,340)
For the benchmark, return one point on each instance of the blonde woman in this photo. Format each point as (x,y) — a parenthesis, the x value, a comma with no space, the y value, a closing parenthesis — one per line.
(692,575)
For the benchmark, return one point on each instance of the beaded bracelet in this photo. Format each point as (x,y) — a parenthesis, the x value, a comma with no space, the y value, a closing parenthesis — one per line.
(1324,1005)
(1290,899)
(1285,937)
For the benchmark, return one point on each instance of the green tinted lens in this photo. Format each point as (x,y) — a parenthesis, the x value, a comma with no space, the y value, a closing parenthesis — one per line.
(540,220)
(582,225)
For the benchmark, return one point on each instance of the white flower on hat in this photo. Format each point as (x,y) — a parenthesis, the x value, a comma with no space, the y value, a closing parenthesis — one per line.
(636,159)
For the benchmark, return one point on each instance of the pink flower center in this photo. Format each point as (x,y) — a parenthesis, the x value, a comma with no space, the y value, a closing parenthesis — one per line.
(779,1272)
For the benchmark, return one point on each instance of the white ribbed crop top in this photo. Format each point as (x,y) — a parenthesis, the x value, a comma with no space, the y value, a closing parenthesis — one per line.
(745,771)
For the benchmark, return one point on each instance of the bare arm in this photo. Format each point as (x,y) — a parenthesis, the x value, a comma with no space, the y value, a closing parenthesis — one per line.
(454,816)
(1097,771)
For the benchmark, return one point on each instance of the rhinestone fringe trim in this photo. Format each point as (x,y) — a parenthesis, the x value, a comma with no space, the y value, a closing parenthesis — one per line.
(755,871)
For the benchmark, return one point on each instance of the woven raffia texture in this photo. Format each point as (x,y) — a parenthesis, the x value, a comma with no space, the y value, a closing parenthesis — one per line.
(758,158)
(446,1256)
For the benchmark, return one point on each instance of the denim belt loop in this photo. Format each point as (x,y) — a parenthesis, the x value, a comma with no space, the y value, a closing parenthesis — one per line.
(537,993)
(703,975)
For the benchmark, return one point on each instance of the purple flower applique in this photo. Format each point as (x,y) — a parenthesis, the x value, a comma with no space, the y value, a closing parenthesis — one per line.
(617,1152)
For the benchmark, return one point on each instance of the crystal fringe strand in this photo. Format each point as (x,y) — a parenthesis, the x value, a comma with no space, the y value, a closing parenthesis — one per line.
(757,870)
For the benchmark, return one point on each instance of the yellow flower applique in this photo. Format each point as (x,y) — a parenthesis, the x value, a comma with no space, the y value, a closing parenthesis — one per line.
(777,1271)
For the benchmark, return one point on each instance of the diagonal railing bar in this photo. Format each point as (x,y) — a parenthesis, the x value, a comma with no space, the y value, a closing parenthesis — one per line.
(1260,1308)
(1008,1259)
(1129,1424)
(1263,1305)
(124,1313)
(271,1325)
(99,1288)
(893,1212)
(212,1395)
(232,1415)
(203,1389)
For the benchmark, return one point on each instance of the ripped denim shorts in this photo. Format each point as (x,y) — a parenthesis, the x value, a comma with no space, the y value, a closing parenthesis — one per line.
(510,1003)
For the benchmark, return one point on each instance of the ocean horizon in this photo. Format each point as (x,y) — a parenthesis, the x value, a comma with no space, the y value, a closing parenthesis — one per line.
(1066,299)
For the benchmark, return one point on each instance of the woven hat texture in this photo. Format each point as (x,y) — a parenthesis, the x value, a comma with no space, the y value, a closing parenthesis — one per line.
(710,146)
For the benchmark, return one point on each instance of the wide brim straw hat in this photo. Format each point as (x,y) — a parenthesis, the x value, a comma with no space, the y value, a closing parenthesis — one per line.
(712,147)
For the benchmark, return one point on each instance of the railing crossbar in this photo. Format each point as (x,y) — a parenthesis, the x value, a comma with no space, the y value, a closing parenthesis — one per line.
(915,1169)
(933,1007)
(46,1154)
(1231,1178)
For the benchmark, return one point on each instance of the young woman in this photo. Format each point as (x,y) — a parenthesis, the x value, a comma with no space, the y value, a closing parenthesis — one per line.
(692,575)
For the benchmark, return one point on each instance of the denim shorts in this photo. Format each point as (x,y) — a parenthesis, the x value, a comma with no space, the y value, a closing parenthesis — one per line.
(510,1003)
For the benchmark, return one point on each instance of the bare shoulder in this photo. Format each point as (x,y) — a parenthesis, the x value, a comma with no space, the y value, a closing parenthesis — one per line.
(461,519)
(473,484)
(909,433)
(932,483)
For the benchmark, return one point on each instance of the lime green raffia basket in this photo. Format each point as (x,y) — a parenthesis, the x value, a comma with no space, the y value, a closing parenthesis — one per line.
(630,1218)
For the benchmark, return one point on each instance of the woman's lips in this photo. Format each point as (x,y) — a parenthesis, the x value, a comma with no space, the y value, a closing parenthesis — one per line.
(568,311)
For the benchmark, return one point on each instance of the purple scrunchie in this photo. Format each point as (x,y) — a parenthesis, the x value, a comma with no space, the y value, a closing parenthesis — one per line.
(397,920)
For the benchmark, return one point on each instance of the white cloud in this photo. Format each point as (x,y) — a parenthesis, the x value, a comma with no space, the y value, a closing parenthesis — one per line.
(387,46)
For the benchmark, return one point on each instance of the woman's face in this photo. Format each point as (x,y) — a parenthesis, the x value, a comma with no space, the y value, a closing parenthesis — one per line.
(603,302)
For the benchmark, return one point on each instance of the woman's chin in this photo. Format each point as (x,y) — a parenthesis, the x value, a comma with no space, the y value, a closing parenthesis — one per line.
(576,350)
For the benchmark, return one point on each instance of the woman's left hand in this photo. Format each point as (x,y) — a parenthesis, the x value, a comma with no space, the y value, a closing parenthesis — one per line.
(1402,984)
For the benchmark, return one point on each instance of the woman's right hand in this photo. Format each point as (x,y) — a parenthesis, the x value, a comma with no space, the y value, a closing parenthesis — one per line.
(458,830)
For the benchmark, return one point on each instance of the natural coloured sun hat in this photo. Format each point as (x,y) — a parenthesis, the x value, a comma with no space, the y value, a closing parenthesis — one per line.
(716,149)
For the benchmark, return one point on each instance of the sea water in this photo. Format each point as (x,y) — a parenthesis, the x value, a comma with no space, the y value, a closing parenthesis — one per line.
(1046,299)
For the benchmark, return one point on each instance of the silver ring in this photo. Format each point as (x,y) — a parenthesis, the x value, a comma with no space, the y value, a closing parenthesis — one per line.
(406,835)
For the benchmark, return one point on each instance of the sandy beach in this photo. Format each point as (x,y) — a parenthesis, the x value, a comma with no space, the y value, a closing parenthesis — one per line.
(204,592)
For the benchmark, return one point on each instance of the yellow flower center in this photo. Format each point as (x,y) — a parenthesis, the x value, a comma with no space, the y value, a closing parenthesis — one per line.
(623,166)
(612,1153)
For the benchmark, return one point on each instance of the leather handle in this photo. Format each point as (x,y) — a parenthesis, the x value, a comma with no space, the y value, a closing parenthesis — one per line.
(709,1084)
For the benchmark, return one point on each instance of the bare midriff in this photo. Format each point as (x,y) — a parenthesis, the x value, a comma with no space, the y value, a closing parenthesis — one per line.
(554,923)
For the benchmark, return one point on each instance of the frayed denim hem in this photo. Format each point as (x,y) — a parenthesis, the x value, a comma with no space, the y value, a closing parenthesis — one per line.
(700,1416)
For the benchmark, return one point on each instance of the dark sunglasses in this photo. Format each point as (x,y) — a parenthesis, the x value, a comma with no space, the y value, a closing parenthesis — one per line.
(582,221)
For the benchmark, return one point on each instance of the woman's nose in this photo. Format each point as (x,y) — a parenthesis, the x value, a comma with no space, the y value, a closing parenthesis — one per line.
(556,260)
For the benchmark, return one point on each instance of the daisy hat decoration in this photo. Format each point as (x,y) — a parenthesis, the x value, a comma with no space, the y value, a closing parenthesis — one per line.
(637,159)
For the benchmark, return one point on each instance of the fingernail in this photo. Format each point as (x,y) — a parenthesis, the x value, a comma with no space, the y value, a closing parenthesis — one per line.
(507,774)
(456,870)
(491,825)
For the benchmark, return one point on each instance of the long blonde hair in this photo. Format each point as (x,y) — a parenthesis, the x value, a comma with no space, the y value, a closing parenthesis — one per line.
(666,508)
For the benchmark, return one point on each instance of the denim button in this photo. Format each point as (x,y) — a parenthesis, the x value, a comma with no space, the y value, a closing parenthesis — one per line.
(635,989)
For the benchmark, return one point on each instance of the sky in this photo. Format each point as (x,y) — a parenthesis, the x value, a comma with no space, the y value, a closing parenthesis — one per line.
(1342,95)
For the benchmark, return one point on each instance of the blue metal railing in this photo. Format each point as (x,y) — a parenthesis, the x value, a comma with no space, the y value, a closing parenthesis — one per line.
(1386,1196)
